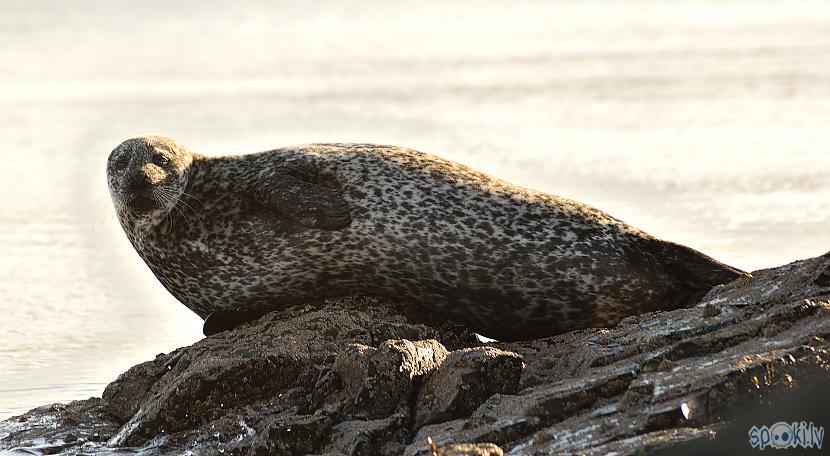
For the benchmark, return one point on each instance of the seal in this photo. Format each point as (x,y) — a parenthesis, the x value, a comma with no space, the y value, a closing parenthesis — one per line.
(233,237)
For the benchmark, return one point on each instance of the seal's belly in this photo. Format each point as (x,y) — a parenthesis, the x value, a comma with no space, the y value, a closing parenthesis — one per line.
(250,259)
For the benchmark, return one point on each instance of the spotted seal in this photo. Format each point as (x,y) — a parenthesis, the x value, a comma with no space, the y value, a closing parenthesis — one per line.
(232,237)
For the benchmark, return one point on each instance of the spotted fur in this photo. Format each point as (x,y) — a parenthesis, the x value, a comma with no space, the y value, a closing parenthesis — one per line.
(509,262)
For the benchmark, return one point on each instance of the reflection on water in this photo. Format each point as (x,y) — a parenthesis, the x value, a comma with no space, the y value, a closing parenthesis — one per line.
(702,122)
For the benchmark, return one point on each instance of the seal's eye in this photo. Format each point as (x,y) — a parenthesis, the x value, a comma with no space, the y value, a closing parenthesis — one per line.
(121,162)
(160,160)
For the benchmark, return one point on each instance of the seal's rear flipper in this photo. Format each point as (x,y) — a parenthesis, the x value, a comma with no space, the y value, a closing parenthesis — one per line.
(308,204)
(225,320)
(691,274)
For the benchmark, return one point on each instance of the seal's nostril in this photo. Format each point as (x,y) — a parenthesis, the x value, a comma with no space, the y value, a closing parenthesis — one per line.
(138,183)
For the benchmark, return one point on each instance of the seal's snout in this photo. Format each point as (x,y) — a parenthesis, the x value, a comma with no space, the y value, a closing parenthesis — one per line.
(138,182)
(138,188)
(143,178)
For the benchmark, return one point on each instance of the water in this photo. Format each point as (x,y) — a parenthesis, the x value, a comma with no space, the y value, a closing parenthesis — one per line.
(702,122)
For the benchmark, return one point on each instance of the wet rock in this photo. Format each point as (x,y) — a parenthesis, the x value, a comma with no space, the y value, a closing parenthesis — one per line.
(710,311)
(378,382)
(58,428)
(385,436)
(464,381)
(470,449)
(290,433)
(361,375)
(463,449)
(278,360)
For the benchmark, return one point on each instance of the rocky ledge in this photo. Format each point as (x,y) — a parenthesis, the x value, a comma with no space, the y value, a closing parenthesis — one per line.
(363,375)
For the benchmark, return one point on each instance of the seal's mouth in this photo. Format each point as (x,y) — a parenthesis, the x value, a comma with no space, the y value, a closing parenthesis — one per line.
(141,203)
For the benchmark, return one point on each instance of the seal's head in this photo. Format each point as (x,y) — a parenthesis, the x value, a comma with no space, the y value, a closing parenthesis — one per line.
(146,177)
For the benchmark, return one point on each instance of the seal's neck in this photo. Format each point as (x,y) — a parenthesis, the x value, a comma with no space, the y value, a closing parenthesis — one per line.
(212,175)
(140,227)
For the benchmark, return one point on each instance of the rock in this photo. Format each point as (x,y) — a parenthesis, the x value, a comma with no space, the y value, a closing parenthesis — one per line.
(278,362)
(360,375)
(374,437)
(57,428)
(464,381)
(460,449)
(466,449)
(470,449)
(379,382)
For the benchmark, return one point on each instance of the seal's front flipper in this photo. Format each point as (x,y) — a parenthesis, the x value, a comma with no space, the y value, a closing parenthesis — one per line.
(310,205)
(225,320)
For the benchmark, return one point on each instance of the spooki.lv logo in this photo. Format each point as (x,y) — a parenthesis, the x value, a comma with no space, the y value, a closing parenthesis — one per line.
(783,435)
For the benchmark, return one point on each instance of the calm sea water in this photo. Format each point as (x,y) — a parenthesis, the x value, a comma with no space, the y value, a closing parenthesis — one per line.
(703,122)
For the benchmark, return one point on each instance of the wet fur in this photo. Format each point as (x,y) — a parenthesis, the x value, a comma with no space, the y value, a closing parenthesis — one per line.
(509,262)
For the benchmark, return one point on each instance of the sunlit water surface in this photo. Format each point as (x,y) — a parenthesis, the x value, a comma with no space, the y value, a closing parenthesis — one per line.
(702,122)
